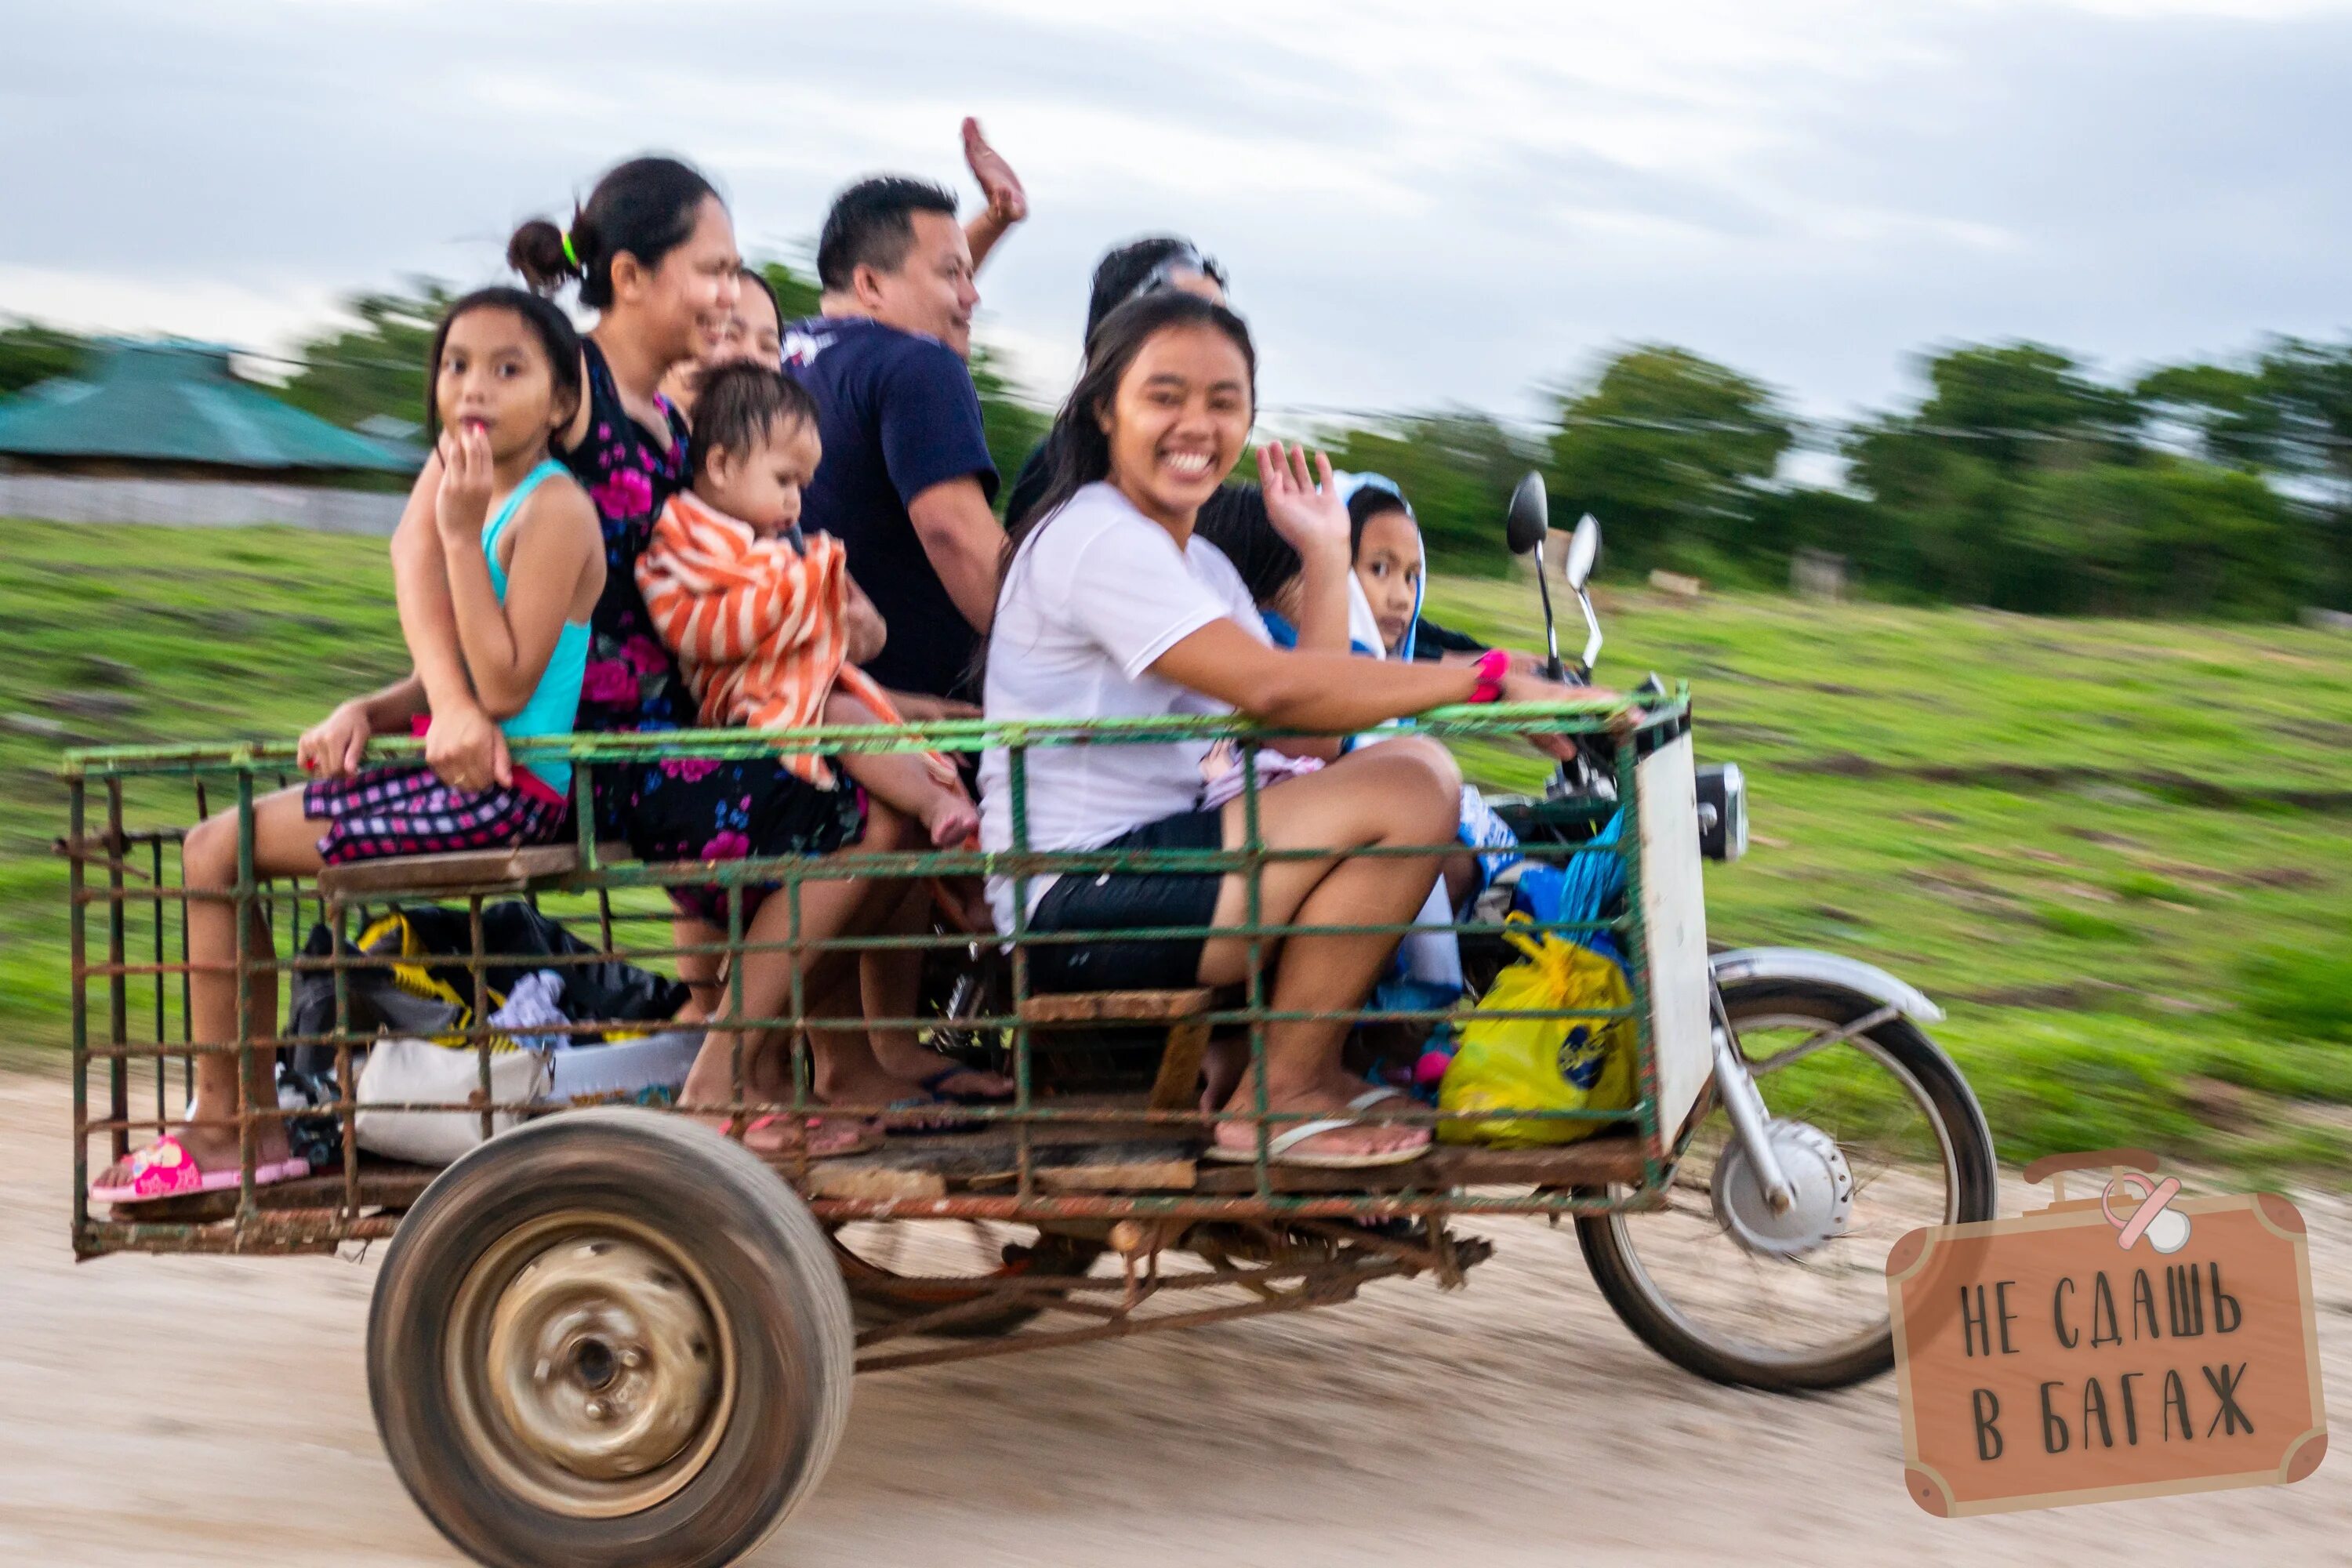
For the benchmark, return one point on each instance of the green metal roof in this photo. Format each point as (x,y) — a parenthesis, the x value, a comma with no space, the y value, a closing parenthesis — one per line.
(176,402)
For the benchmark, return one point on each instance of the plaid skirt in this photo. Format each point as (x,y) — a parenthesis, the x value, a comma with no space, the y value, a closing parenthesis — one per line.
(404,809)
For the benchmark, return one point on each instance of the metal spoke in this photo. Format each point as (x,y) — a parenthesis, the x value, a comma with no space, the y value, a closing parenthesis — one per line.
(1797,1053)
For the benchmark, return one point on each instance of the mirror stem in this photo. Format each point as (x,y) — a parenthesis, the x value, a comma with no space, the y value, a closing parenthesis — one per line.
(1551,631)
(1593,628)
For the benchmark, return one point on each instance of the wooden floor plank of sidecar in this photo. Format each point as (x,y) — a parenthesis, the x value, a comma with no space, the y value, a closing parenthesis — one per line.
(383,1183)
(1095,1157)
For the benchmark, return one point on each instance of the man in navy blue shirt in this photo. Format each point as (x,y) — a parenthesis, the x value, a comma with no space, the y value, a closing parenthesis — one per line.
(906,480)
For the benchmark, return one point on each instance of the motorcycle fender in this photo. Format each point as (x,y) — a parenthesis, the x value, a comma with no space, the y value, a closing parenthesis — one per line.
(1828,969)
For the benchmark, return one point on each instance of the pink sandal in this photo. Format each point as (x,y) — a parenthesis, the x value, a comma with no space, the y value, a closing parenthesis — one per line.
(164,1169)
(858,1140)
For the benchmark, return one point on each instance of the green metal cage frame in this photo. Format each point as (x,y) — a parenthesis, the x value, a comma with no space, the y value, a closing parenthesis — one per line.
(359,1203)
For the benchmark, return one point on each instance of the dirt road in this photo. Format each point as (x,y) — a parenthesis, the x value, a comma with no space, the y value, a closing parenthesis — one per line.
(189,1411)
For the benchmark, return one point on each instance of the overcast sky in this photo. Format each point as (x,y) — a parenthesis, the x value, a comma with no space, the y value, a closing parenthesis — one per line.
(1420,204)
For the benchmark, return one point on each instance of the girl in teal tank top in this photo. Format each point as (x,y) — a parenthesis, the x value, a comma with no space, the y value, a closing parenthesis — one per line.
(505,375)
(524,556)
(554,703)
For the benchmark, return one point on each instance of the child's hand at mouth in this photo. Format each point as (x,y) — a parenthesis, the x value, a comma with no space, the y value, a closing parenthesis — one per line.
(467,470)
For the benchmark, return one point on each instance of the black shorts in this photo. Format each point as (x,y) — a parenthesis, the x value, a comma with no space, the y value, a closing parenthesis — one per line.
(1131,900)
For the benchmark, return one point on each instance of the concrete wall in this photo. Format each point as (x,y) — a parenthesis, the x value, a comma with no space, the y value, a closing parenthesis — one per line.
(192,503)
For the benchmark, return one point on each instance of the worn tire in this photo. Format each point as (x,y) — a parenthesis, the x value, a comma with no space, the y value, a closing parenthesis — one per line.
(1972,1175)
(728,1240)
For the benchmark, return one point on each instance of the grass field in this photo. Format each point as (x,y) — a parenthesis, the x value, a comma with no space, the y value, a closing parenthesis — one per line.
(2119,853)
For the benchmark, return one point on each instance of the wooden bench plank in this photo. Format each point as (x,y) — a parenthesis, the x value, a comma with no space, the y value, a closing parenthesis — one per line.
(1177,1084)
(1608,1157)
(1118,1161)
(1107,1173)
(1078,1007)
(509,870)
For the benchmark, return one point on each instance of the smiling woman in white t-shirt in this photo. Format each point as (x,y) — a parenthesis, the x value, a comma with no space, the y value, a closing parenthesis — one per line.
(1110,607)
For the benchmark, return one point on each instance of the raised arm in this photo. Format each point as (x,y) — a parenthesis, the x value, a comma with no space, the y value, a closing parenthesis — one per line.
(1008,203)
(1308,511)
(965,544)
(464,746)
(557,546)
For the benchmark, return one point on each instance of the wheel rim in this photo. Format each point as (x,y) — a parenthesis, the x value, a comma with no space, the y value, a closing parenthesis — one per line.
(1830,1301)
(588,1370)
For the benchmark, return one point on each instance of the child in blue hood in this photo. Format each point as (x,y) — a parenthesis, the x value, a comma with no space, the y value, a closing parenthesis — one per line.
(1384,622)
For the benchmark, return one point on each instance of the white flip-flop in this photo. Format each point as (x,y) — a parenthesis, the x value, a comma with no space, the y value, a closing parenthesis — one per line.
(1282,1148)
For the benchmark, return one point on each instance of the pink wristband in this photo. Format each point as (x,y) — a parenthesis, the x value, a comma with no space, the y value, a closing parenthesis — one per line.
(1492,666)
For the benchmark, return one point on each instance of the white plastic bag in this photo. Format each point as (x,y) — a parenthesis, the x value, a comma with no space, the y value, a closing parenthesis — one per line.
(409,1071)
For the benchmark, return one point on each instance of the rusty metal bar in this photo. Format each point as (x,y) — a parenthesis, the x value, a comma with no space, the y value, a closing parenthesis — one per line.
(481,1019)
(155,868)
(118,998)
(1013,1344)
(736,1125)
(248,1206)
(78,943)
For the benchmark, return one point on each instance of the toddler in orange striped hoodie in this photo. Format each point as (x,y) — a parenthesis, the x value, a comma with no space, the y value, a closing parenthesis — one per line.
(765,622)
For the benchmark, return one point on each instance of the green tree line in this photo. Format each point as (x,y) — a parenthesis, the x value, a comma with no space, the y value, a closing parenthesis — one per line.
(2016,477)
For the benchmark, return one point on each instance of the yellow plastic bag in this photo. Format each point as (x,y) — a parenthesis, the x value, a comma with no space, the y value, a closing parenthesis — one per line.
(1542,1064)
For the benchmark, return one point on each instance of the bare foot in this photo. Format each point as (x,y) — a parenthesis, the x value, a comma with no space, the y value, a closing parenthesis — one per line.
(968,1083)
(872,1085)
(951,819)
(818,1137)
(1222,1062)
(1330,1098)
(916,1071)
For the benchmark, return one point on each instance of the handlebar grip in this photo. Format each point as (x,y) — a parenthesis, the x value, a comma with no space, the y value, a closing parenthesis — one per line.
(2049,1165)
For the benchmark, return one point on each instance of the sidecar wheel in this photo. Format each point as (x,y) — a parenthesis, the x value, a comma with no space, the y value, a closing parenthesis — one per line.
(609,1338)
(1815,1318)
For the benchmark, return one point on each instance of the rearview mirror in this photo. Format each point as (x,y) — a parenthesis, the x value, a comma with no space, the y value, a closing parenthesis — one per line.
(1583,550)
(1530,515)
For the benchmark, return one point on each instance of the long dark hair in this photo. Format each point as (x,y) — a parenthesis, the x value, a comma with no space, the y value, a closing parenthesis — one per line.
(1077,448)
(555,335)
(646,207)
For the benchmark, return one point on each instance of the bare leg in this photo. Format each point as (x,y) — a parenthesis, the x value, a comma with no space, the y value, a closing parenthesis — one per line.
(828,909)
(842,1064)
(1401,793)
(904,781)
(703,972)
(892,979)
(284,843)
(1460,873)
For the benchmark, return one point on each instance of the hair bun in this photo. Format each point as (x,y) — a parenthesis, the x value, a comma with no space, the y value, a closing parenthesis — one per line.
(538,252)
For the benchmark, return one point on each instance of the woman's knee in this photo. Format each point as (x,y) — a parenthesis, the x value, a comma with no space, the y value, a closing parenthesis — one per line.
(1421,796)
(1433,758)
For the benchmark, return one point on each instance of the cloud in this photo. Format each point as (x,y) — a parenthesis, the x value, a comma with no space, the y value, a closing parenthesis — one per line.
(1418,206)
